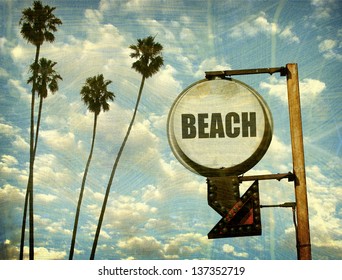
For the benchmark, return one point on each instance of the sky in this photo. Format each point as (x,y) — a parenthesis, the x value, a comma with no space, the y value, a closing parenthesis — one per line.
(157,208)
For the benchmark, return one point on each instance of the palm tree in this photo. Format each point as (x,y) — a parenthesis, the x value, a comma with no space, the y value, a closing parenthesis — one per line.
(95,95)
(46,78)
(149,61)
(37,26)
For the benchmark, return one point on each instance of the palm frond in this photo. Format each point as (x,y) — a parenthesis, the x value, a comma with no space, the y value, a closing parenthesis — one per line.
(95,95)
(149,56)
(38,24)
(46,77)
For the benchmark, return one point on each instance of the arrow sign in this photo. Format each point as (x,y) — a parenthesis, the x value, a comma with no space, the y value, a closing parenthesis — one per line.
(240,215)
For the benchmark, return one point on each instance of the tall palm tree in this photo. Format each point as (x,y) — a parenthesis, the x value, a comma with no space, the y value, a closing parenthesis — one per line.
(46,79)
(149,60)
(95,95)
(37,26)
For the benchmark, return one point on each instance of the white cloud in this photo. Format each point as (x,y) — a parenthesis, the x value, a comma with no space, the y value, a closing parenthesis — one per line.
(158,122)
(318,3)
(58,227)
(287,33)
(11,201)
(158,28)
(105,5)
(123,213)
(263,25)
(45,198)
(164,82)
(323,9)
(51,174)
(253,27)
(276,87)
(41,253)
(11,194)
(278,149)
(146,247)
(174,180)
(211,64)
(20,53)
(9,160)
(327,45)
(77,121)
(143,150)
(13,133)
(93,15)
(20,144)
(323,199)
(182,246)
(151,193)
(159,225)
(187,245)
(329,49)
(8,251)
(59,141)
(23,92)
(8,169)
(136,5)
(245,29)
(187,34)
(133,6)
(183,62)
(229,249)
(48,226)
(185,19)
(3,73)
(3,42)
(309,89)
(7,129)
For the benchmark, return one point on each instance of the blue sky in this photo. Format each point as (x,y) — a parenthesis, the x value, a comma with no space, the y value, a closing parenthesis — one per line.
(158,209)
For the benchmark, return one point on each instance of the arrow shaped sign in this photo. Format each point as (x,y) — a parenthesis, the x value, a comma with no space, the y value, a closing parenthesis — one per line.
(240,215)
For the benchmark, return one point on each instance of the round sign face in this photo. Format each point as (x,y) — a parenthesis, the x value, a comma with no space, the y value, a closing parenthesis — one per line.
(219,127)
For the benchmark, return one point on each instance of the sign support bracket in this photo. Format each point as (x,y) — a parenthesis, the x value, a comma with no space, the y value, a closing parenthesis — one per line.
(227,73)
(293,206)
(278,176)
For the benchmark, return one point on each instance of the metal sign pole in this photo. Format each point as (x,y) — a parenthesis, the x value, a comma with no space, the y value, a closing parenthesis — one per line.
(303,231)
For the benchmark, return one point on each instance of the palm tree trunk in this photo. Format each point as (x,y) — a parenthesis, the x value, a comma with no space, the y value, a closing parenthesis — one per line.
(73,240)
(21,254)
(98,230)
(38,126)
(23,226)
(29,189)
